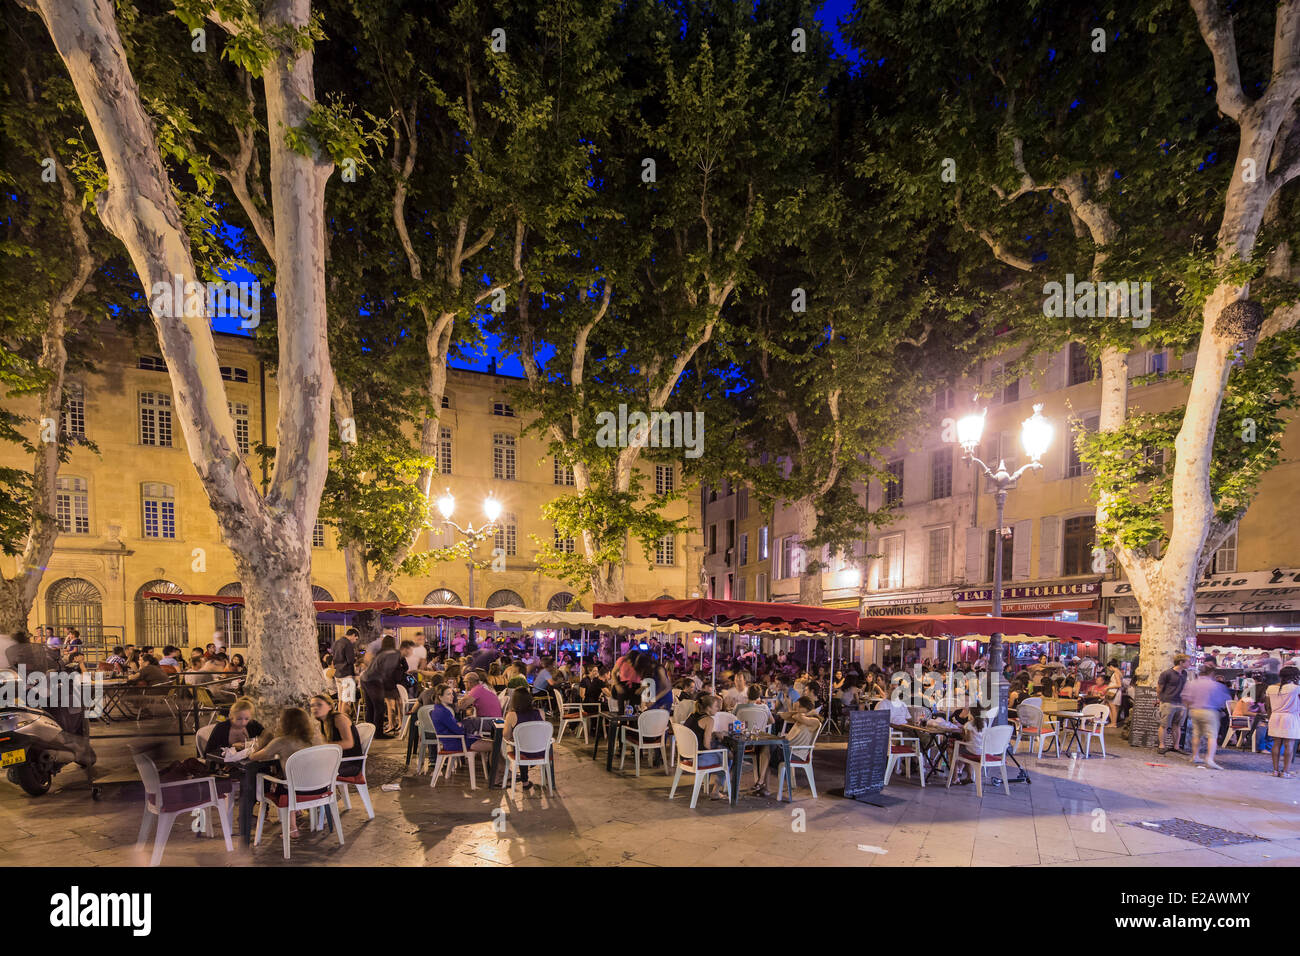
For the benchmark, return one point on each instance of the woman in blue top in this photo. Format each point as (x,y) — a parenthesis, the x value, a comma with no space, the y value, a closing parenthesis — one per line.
(445,722)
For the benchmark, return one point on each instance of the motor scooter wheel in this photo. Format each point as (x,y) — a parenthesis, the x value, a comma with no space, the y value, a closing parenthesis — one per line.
(35,777)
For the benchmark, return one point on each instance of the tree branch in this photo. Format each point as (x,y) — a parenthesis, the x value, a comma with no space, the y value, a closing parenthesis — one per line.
(1216,30)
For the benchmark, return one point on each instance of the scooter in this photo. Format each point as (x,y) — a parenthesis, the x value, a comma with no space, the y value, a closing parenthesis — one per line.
(35,744)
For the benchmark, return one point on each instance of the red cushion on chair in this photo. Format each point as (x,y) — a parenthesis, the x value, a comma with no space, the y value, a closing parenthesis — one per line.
(282,800)
(902,749)
(355,779)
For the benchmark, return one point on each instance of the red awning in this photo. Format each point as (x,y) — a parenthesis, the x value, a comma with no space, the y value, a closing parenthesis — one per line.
(1265,642)
(760,615)
(1122,638)
(443,611)
(962,625)
(393,608)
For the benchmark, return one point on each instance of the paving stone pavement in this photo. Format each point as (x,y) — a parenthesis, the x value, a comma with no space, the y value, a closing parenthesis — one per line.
(1071,815)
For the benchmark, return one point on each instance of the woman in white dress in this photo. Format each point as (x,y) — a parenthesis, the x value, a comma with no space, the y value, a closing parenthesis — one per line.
(1284,719)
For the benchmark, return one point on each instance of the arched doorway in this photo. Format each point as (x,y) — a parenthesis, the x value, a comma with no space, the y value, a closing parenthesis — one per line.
(504,598)
(230,620)
(158,624)
(324,632)
(563,601)
(75,602)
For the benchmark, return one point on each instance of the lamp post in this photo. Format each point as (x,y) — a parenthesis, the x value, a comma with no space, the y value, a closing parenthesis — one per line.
(492,511)
(1035,435)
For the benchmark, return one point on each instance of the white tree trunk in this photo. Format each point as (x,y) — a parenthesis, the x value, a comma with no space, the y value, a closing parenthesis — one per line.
(270,537)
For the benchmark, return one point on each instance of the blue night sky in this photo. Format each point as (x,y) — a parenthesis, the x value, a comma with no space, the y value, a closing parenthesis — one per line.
(828,15)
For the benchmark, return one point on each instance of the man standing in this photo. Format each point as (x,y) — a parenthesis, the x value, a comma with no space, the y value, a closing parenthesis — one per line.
(1172,712)
(1204,698)
(344,653)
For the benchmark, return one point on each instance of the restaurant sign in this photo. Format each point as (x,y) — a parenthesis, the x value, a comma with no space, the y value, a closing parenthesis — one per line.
(911,602)
(1247,592)
(1036,593)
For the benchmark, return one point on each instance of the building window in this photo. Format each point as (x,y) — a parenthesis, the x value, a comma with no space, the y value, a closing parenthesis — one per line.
(152,363)
(503,457)
(744,549)
(75,602)
(713,539)
(232,374)
(562,601)
(159,510)
(318,534)
(503,409)
(762,543)
(664,482)
(158,623)
(1074,467)
(562,544)
(1010,391)
(760,586)
(444,450)
(239,412)
(507,536)
(893,485)
(1008,549)
(792,557)
(941,473)
(731,533)
(936,571)
(742,503)
(891,562)
(1158,363)
(1225,558)
(155,419)
(740,590)
(73,420)
(446,401)
(563,472)
(666,550)
(72,505)
(1082,367)
(505,598)
(944,399)
(1078,544)
(230,620)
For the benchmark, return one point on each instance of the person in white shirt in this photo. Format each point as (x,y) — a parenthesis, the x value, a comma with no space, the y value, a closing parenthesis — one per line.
(737,694)
(415,654)
(802,731)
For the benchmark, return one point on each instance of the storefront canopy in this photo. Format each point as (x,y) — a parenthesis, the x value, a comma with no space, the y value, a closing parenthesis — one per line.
(1265,642)
(1013,629)
(758,615)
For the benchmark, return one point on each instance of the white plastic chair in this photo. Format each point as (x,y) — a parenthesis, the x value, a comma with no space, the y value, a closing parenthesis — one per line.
(651,733)
(1237,727)
(533,737)
(164,802)
(366,733)
(688,759)
(309,782)
(201,737)
(801,758)
(903,750)
(428,736)
(1033,726)
(996,742)
(454,747)
(571,714)
(1092,726)
(406,707)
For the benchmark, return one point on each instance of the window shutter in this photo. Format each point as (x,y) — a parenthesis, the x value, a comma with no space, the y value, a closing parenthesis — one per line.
(974,555)
(1189,359)
(1054,380)
(1022,535)
(1049,548)
(1137,363)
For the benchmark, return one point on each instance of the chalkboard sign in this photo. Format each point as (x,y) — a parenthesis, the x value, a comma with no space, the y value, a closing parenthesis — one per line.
(868,753)
(1144,718)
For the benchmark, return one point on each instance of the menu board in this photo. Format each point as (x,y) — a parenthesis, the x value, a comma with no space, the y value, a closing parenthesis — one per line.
(868,752)
(1144,718)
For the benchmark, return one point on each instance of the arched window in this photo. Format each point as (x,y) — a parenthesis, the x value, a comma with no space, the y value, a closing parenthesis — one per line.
(443,596)
(324,632)
(665,597)
(159,624)
(230,620)
(560,602)
(505,598)
(75,602)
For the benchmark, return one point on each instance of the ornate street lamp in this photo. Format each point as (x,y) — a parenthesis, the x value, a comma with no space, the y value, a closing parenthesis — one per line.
(491,510)
(1035,436)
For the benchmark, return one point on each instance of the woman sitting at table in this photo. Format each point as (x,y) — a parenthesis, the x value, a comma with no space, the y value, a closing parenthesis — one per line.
(496,679)
(700,724)
(971,744)
(295,732)
(446,724)
(239,730)
(337,728)
(523,710)
(1068,688)
(594,684)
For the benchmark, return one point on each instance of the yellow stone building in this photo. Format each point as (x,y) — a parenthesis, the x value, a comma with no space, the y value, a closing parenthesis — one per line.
(134,516)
